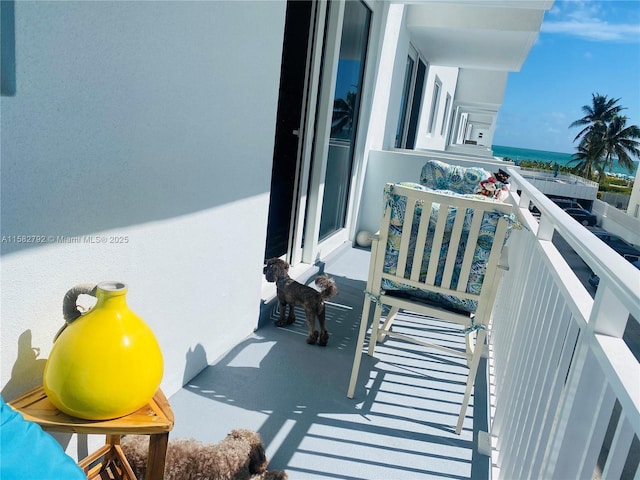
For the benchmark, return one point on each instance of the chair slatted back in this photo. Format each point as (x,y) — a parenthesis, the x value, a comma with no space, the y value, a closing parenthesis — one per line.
(434,244)
(463,235)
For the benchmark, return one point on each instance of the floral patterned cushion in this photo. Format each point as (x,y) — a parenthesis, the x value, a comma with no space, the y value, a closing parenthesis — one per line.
(442,176)
(480,256)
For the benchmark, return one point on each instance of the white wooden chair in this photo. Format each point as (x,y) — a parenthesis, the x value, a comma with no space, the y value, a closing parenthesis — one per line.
(441,252)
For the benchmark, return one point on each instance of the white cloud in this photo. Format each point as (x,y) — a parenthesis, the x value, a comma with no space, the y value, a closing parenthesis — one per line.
(584,10)
(595,30)
(590,20)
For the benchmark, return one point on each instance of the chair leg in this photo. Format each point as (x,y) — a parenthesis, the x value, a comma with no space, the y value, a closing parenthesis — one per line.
(364,321)
(391,316)
(375,326)
(473,369)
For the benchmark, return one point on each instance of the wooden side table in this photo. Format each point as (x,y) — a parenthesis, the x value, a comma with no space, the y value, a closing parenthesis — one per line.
(154,419)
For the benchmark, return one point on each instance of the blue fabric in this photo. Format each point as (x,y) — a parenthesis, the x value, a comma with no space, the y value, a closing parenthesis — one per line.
(442,176)
(27,452)
(481,253)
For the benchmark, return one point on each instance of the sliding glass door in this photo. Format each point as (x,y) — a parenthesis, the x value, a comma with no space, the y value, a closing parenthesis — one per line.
(346,108)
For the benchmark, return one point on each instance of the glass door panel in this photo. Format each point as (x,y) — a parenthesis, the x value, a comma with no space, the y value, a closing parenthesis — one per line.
(404,103)
(346,106)
(415,107)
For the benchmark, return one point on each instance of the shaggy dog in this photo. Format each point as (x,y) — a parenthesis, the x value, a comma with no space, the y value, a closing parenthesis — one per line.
(240,456)
(293,293)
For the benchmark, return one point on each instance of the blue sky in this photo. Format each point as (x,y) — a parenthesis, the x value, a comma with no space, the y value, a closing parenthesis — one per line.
(584,47)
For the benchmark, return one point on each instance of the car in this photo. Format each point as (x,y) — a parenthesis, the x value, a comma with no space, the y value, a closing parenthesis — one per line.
(594,280)
(628,250)
(585,217)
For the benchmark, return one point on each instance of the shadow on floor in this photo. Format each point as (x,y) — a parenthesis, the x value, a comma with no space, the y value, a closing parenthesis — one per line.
(399,425)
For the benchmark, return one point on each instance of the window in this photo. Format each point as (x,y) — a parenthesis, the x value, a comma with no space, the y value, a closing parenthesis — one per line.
(415,106)
(411,101)
(447,106)
(404,102)
(435,100)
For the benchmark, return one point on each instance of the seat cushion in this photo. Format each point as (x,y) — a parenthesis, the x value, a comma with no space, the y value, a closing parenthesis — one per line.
(442,176)
(480,255)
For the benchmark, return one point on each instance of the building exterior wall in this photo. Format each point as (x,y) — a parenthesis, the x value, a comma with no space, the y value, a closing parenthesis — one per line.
(484,87)
(479,95)
(633,210)
(138,147)
(447,77)
(390,79)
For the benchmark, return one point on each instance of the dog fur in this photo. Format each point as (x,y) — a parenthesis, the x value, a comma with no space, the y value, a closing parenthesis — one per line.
(240,456)
(293,293)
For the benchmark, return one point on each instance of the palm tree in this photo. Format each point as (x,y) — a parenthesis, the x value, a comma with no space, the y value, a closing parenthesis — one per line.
(620,141)
(601,111)
(605,136)
(589,159)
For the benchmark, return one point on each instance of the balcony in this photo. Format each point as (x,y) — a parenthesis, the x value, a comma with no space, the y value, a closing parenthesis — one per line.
(558,397)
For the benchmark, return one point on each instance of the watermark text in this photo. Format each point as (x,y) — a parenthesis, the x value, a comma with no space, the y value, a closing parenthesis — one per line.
(81,239)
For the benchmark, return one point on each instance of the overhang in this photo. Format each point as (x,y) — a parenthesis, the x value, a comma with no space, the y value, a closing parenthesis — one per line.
(488,35)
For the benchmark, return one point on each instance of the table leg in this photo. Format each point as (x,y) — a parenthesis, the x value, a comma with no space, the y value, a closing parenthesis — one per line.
(157,455)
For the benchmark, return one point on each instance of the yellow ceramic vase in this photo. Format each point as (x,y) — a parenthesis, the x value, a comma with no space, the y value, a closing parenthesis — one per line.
(105,364)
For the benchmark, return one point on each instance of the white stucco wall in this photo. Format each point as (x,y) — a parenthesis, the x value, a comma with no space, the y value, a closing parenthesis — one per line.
(152,122)
(390,80)
(480,94)
(485,87)
(448,78)
(388,51)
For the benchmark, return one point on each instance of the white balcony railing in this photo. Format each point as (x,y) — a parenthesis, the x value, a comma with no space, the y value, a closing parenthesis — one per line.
(565,387)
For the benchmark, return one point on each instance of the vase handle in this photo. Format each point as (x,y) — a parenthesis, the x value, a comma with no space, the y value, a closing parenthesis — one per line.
(69,306)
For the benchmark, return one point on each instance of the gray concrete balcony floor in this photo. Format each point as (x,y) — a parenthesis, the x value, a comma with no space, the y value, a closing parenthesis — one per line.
(399,425)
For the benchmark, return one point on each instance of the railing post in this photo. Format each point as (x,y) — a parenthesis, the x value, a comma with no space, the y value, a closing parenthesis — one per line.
(608,315)
(546,228)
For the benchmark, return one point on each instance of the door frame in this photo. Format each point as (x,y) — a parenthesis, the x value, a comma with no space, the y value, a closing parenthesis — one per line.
(315,250)
(323,56)
(326,86)
(306,181)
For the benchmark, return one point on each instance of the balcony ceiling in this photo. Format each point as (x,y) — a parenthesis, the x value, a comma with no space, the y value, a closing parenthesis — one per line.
(488,35)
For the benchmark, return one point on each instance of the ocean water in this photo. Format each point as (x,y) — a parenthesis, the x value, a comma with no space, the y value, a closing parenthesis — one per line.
(517,154)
